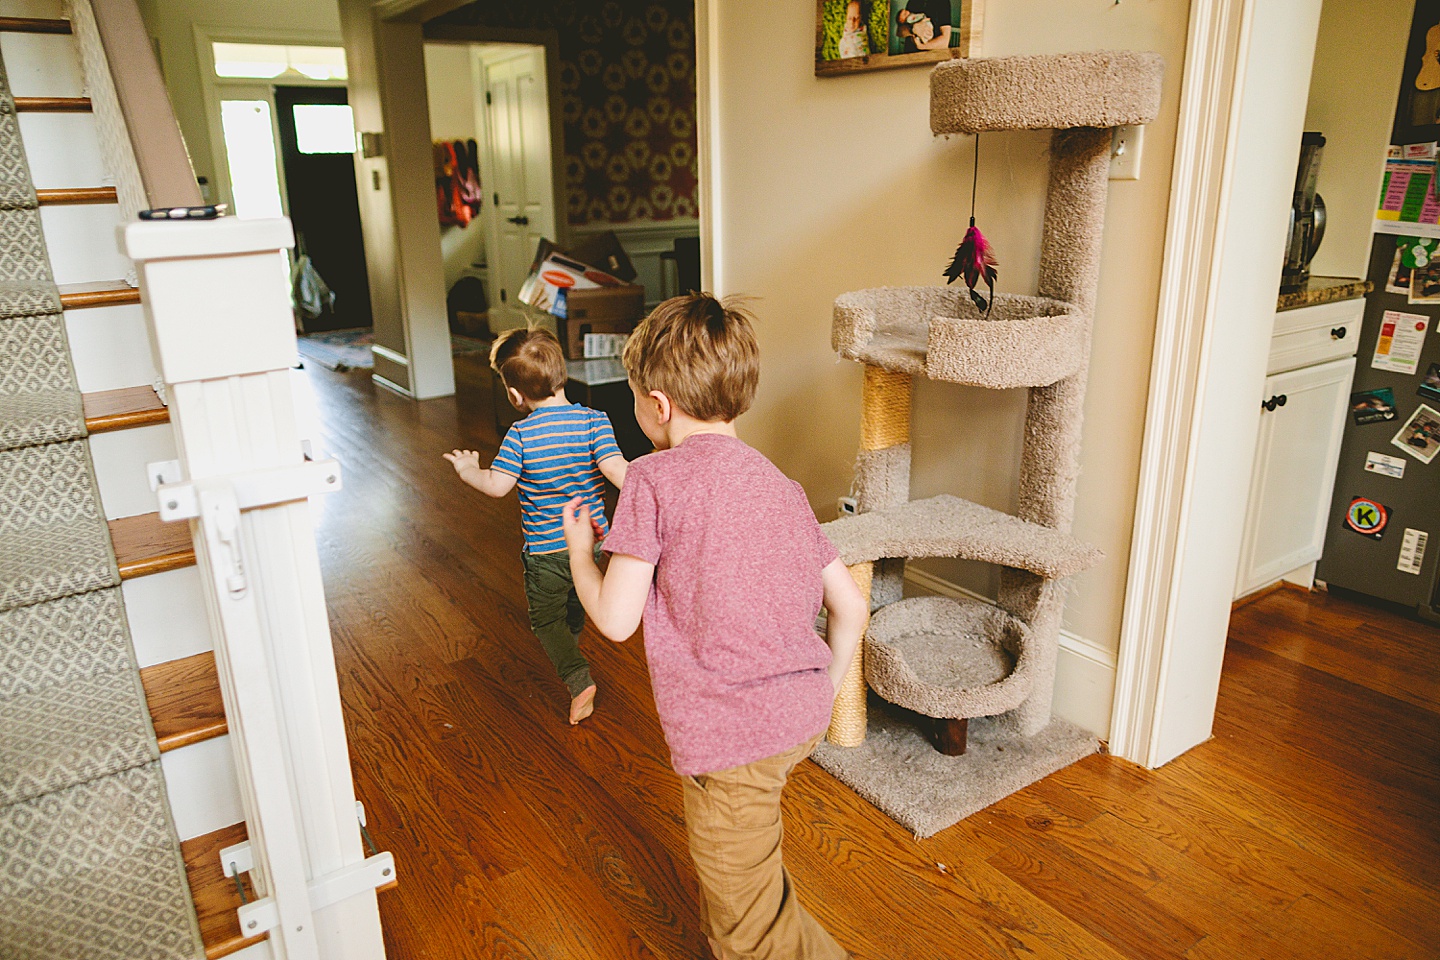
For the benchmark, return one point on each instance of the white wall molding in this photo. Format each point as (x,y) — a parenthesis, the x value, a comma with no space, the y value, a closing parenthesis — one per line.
(1084,673)
(1206,124)
(1237,145)
(707,135)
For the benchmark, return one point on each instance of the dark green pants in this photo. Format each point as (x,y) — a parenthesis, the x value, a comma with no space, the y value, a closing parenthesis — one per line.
(556,615)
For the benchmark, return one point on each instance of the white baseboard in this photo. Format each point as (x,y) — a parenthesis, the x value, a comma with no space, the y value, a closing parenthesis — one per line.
(1084,672)
(120,457)
(200,781)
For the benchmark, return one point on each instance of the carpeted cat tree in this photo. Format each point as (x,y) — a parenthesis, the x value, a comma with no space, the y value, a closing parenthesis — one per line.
(946,662)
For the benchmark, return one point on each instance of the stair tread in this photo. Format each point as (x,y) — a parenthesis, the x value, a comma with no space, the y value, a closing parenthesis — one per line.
(121,409)
(34,25)
(947,526)
(145,544)
(184,701)
(215,896)
(53,105)
(97,293)
(58,196)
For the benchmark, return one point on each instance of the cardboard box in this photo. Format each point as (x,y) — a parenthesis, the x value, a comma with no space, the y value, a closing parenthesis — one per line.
(599,310)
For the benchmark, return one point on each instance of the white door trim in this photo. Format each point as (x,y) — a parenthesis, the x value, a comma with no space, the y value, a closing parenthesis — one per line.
(213,89)
(707,126)
(1219,37)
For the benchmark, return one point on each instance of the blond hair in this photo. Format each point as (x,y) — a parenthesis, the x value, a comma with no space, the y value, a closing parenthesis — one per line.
(699,352)
(530,361)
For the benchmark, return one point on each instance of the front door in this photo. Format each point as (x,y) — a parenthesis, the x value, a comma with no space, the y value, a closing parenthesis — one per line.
(317,141)
(522,190)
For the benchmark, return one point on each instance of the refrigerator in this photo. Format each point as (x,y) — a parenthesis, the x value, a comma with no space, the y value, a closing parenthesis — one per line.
(1381,538)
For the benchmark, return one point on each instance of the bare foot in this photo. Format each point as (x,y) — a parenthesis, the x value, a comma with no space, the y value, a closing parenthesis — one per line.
(583,705)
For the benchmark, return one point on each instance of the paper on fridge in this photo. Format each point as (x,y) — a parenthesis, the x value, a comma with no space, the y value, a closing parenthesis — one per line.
(1402,337)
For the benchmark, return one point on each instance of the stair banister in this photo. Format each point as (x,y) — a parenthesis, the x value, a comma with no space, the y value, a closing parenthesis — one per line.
(216,298)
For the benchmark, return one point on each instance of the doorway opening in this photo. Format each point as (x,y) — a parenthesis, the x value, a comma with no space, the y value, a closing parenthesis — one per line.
(284,137)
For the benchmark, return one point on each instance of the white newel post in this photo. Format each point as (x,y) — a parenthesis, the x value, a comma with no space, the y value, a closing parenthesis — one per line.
(216,295)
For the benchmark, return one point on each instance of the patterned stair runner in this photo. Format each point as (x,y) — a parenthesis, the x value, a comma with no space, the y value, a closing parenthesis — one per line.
(91,864)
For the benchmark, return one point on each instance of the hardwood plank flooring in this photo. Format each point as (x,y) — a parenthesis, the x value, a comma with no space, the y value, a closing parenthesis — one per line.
(1308,827)
(184,701)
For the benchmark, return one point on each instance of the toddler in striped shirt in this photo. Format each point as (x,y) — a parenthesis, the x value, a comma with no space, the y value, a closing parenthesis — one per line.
(558,451)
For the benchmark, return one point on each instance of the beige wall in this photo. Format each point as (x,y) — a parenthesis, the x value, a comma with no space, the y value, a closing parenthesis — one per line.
(450,91)
(172,23)
(1359,57)
(836,184)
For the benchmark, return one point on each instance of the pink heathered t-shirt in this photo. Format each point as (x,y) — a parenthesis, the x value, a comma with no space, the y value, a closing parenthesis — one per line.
(738,671)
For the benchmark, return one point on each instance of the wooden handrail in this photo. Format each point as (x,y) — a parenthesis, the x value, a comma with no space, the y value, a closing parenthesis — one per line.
(155,136)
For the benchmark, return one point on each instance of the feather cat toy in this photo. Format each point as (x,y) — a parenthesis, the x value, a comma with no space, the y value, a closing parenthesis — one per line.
(975,259)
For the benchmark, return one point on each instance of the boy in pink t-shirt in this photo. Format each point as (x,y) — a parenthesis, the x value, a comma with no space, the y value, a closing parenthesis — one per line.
(721,555)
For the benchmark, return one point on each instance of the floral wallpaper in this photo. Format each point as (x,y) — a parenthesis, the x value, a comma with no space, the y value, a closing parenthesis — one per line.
(627,98)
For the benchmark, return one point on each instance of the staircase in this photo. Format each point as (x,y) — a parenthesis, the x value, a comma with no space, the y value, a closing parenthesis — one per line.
(126,425)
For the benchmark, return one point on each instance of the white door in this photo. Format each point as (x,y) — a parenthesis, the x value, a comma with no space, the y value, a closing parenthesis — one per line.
(1295,458)
(520,187)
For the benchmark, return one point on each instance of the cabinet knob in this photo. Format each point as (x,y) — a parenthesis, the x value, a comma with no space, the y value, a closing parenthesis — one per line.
(1337,333)
(1273,402)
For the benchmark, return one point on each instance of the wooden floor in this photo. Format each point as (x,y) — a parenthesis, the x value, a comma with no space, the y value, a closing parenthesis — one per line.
(1309,827)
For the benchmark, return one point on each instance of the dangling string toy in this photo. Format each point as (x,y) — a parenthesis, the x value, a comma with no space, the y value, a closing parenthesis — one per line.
(974,259)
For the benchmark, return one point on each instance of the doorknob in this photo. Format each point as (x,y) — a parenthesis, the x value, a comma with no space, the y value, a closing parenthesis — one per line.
(522,220)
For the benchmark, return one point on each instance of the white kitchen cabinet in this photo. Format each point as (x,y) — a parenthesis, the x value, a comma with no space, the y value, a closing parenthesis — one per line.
(1295,459)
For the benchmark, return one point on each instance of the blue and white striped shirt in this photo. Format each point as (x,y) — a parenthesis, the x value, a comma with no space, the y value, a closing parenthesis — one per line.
(554,453)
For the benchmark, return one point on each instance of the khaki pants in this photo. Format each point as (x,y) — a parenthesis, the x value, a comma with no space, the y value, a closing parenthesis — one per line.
(747,900)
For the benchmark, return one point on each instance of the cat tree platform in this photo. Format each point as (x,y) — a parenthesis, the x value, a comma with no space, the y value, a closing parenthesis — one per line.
(1112,88)
(947,526)
(936,332)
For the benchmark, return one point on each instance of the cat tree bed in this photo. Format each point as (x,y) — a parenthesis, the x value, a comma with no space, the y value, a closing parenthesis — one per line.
(936,332)
(948,708)
(949,658)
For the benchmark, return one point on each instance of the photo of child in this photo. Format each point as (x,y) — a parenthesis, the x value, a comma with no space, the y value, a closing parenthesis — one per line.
(852,28)
(1420,437)
(856,36)
(925,25)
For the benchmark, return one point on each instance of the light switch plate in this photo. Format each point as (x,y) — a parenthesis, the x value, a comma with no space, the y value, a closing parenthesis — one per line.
(1126,146)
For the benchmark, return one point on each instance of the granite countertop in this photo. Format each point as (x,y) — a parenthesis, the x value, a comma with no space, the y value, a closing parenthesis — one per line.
(1324,290)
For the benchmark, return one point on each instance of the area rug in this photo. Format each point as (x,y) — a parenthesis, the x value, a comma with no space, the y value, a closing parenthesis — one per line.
(925,791)
(92,865)
(342,350)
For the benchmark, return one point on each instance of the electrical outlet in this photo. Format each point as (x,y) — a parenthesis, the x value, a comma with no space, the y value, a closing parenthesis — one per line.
(1126,146)
(847,507)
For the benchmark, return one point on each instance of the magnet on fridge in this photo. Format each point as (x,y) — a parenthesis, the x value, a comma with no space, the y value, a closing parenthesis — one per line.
(1367,517)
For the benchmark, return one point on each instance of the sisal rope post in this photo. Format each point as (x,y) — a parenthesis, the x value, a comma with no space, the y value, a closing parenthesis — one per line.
(847,717)
(884,408)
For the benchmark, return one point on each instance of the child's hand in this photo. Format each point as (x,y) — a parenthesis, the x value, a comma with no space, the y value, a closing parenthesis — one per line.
(581,529)
(463,460)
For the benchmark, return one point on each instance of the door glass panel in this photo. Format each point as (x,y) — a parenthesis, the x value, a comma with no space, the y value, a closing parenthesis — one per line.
(324,128)
(250,150)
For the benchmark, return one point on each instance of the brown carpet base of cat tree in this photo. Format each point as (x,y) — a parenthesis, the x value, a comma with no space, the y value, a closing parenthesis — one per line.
(925,791)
